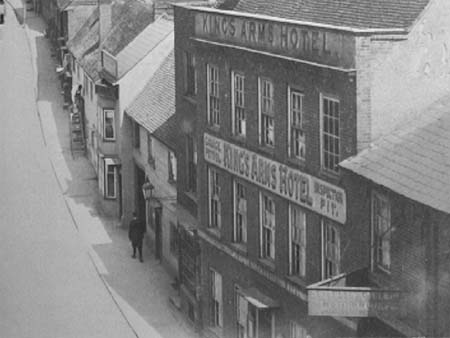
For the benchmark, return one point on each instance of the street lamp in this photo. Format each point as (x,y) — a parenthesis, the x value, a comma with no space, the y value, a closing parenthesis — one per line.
(147,189)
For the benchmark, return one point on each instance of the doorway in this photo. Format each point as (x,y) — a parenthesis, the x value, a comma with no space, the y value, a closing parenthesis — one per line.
(139,196)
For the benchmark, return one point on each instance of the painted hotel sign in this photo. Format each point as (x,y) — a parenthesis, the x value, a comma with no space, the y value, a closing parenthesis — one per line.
(294,185)
(300,42)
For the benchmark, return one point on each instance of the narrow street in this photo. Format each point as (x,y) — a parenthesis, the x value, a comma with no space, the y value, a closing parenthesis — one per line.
(66,270)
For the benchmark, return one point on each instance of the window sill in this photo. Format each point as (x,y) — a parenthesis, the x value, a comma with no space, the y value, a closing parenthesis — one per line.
(266,149)
(190,98)
(334,175)
(241,247)
(110,198)
(299,281)
(192,196)
(214,231)
(109,140)
(294,161)
(269,263)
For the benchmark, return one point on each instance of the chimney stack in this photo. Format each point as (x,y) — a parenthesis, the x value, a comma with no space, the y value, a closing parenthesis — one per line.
(105,13)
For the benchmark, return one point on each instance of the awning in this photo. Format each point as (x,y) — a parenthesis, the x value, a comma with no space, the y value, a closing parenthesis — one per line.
(258,299)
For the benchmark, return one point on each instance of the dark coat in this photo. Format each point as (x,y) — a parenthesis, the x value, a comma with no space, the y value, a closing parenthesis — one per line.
(136,230)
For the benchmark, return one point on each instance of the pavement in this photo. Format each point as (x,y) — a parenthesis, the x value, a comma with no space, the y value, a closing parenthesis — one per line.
(139,291)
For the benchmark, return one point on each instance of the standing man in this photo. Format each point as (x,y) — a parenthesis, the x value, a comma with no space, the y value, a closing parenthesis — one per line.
(136,232)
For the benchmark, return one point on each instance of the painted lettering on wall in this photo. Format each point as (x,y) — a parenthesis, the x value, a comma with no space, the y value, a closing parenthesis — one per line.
(303,189)
(293,40)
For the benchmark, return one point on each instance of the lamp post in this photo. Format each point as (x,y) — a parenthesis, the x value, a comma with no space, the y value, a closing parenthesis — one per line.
(147,189)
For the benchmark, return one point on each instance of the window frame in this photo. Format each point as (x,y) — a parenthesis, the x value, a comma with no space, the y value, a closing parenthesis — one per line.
(238,108)
(375,261)
(302,242)
(269,115)
(172,167)
(216,305)
(212,81)
(263,244)
(242,239)
(323,134)
(190,70)
(214,200)
(325,224)
(191,163)
(297,127)
(107,177)
(113,114)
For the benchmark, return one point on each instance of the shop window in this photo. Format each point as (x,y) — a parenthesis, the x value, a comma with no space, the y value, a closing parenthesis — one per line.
(109,125)
(172,166)
(381,230)
(216,299)
(331,249)
(173,239)
(214,199)
(298,331)
(190,74)
(330,134)
(297,135)
(213,95)
(297,231)
(238,104)
(240,213)
(267,220)
(266,113)
(191,156)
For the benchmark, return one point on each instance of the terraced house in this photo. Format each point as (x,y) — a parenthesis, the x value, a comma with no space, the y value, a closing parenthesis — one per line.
(271,97)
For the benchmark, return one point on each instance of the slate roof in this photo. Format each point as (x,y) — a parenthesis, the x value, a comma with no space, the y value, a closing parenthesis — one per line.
(154,107)
(147,40)
(86,38)
(134,17)
(373,14)
(413,161)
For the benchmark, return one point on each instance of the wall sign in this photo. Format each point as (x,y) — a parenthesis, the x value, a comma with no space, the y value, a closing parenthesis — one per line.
(302,42)
(306,190)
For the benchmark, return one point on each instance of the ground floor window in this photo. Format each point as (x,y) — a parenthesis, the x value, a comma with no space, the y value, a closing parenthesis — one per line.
(108,177)
(216,298)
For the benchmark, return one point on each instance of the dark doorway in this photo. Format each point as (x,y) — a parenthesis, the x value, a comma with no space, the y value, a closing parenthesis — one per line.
(158,233)
(140,201)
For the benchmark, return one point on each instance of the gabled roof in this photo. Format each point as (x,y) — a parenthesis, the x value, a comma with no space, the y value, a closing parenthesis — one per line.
(369,14)
(413,161)
(134,17)
(155,105)
(86,38)
(146,41)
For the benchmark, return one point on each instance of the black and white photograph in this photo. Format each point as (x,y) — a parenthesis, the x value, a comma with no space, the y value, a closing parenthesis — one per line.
(225,168)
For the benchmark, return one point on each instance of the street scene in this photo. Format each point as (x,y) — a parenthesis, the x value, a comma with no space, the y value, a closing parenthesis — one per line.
(224,168)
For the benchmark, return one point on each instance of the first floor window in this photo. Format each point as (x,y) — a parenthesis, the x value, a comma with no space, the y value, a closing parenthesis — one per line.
(240,215)
(267,227)
(213,95)
(172,164)
(110,179)
(381,229)
(216,298)
(297,134)
(238,104)
(214,199)
(266,112)
(297,226)
(331,249)
(330,134)
(190,74)
(108,124)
